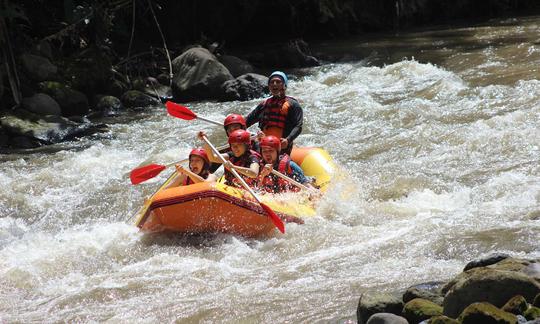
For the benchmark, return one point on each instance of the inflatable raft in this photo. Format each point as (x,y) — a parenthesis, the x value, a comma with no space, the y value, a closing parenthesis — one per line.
(219,208)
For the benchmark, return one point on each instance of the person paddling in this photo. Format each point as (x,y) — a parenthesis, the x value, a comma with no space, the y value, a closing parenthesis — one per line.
(272,160)
(244,160)
(199,165)
(279,115)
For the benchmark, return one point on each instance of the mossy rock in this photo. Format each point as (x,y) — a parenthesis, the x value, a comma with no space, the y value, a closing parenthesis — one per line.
(420,309)
(532,313)
(480,313)
(516,305)
(536,301)
(72,102)
(441,319)
(372,303)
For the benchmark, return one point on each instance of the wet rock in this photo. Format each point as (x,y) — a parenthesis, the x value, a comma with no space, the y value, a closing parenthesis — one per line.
(536,301)
(372,303)
(386,318)
(245,87)
(293,54)
(117,88)
(42,104)
(478,313)
(109,105)
(198,75)
(419,309)
(158,91)
(489,260)
(532,313)
(441,319)
(516,305)
(39,68)
(45,129)
(137,99)
(236,65)
(24,142)
(490,285)
(430,291)
(72,102)
(4,138)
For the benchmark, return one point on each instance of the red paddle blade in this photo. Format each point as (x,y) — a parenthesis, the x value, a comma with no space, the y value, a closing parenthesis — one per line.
(179,111)
(145,172)
(275,219)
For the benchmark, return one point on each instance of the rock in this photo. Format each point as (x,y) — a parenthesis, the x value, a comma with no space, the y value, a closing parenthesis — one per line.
(90,71)
(163,79)
(72,102)
(24,142)
(137,99)
(419,309)
(489,285)
(386,318)
(479,313)
(293,54)
(370,304)
(236,65)
(109,105)
(198,75)
(245,87)
(117,88)
(430,291)
(441,319)
(4,138)
(158,91)
(517,305)
(42,104)
(39,68)
(491,259)
(532,313)
(45,129)
(536,301)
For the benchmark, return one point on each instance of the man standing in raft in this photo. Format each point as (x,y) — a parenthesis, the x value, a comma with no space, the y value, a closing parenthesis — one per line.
(279,115)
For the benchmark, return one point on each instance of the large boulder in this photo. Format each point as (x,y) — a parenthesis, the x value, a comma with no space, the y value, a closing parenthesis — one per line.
(420,309)
(236,65)
(372,303)
(245,87)
(293,54)
(45,129)
(517,305)
(198,75)
(489,260)
(90,70)
(41,104)
(138,99)
(39,68)
(478,313)
(430,291)
(441,319)
(489,285)
(109,105)
(158,91)
(72,102)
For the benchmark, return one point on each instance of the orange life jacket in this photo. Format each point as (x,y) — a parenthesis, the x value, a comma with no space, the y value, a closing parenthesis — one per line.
(275,115)
(274,184)
(187,181)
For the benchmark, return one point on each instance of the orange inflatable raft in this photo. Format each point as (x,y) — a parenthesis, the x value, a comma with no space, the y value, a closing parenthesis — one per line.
(219,208)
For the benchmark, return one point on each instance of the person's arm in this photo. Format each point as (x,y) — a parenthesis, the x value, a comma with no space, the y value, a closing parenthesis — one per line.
(177,181)
(298,173)
(255,115)
(211,155)
(296,118)
(252,171)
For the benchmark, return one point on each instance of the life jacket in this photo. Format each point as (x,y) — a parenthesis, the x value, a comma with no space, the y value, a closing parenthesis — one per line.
(274,115)
(188,181)
(241,161)
(274,184)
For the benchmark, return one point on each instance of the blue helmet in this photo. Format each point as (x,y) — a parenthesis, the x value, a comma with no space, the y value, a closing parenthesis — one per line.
(280,75)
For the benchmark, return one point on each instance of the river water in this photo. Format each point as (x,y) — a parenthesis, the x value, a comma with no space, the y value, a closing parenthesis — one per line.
(438,132)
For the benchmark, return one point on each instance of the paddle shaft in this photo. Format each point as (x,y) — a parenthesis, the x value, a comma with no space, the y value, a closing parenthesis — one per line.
(291,180)
(242,181)
(209,121)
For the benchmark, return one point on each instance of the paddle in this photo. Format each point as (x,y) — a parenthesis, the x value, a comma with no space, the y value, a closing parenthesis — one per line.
(185,113)
(294,182)
(150,171)
(275,219)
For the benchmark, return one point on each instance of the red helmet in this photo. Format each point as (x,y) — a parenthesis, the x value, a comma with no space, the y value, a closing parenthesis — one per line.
(271,141)
(234,119)
(241,136)
(200,153)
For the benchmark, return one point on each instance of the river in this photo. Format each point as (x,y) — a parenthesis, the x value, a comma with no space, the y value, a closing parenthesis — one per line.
(438,131)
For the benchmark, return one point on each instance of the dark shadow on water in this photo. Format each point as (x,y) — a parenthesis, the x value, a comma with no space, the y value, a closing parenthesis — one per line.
(192,240)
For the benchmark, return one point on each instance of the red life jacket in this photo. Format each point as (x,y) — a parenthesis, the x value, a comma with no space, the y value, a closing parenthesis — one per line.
(242,161)
(274,184)
(188,181)
(274,115)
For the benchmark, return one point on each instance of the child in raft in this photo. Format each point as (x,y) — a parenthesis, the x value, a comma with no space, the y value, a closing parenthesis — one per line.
(244,160)
(199,165)
(272,160)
